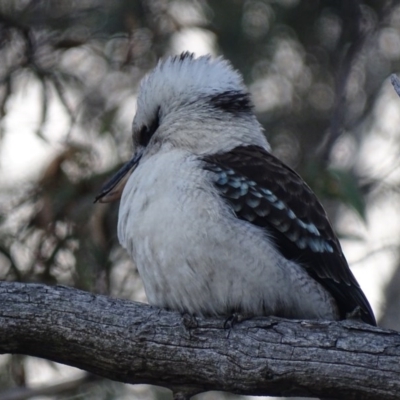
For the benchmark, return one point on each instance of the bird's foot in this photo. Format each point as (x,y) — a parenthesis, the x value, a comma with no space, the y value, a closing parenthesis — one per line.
(189,321)
(235,318)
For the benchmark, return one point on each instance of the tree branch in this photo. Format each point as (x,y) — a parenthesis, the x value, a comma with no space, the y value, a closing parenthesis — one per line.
(136,343)
(24,393)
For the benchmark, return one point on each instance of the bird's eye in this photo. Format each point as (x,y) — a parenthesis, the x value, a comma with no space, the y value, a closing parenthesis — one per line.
(146,132)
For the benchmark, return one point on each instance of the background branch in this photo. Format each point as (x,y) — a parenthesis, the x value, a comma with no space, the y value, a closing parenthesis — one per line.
(24,393)
(135,343)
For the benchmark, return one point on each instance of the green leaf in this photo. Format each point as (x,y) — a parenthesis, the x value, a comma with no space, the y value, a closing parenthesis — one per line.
(344,185)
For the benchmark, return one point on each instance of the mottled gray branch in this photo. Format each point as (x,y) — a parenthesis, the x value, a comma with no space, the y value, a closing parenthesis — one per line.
(135,343)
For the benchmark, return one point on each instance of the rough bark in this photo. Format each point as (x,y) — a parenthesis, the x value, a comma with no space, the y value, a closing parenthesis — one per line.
(137,343)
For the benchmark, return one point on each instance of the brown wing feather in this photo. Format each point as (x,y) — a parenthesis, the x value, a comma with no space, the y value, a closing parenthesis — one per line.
(264,191)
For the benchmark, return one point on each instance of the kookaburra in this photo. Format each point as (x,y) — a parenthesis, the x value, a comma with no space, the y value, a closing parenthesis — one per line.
(214,222)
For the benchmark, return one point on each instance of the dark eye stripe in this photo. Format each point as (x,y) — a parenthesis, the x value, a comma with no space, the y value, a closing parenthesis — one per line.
(232,101)
(146,132)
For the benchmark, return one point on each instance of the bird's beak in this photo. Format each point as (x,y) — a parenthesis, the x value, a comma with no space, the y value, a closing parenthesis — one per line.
(112,189)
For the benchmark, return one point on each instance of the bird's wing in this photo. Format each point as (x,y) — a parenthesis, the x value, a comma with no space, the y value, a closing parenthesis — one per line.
(265,192)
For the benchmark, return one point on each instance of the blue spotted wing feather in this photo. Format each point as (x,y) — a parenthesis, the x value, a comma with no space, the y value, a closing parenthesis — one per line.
(263,191)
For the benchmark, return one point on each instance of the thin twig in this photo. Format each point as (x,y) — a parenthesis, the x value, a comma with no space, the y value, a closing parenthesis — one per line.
(353,26)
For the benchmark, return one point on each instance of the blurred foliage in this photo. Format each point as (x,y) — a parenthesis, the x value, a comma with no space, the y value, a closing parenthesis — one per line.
(315,69)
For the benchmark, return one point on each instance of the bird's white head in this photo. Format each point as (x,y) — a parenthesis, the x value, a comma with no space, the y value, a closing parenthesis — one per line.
(199,105)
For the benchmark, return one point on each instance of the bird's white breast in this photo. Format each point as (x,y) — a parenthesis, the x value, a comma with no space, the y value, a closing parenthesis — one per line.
(194,255)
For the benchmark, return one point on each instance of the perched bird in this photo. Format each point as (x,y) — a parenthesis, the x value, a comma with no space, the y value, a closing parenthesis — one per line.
(214,222)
